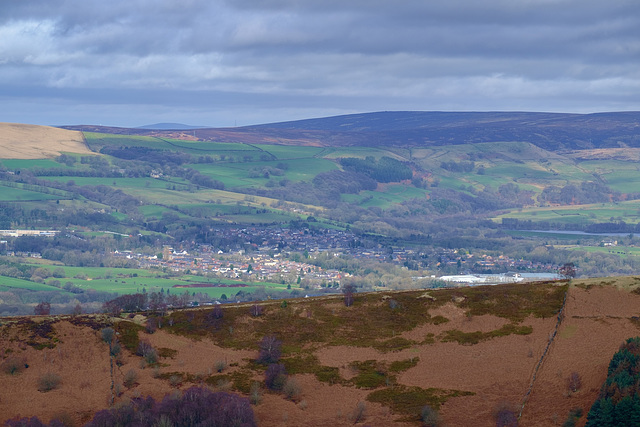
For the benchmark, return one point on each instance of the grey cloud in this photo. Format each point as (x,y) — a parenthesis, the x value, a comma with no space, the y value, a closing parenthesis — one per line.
(323,56)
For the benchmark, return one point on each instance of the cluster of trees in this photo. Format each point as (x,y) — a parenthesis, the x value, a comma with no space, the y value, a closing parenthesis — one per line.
(152,155)
(619,400)
(17,301)
(386,169)
(107,195)
(586,192)
(337,182)
(459,167)
(155,301)
(265,172)
(196,406)
(199,179)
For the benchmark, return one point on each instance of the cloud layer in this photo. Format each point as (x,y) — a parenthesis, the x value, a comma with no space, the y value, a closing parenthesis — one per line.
(221,63)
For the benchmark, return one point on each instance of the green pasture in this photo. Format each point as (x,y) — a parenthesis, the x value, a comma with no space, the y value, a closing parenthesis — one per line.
(303,169)
(572,172)
(129,281)
(360,152)
(237,174)
(307,169)
(391,194)
(623,180)
(621,251)
(118,183)
(9,283)
(603,167)
(283,152)
(219,212)
(11,194)
(492,152)
(526,173)
(232,175)
(168,197)
(480,182)
(553,236)
(236,150)
(203,198)
(18,164)
(628,211)
(95,141)
(214,208)
(452,182)
(528,165)
(504,162)
(208,146)
(265,218)
(151,211)
(121,285)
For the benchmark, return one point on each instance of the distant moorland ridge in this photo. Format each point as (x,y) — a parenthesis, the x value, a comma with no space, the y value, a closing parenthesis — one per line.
(551,131)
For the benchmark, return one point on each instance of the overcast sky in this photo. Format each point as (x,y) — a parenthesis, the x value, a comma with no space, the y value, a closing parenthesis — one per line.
(239,62)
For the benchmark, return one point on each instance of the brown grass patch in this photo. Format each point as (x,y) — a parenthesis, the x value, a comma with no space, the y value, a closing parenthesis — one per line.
(19,141)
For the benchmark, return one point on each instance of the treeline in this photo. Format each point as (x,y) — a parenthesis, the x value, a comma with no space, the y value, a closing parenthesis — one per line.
(459,167)
(8,213)
(386,169)
(197,178)
(152,155)
(600,227)
(77,251)
(343,182)
(619,401)
(586,192)
(196,406)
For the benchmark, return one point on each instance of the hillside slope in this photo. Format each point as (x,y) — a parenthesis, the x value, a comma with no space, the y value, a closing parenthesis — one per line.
(466,351)
(20,141)
(551,131)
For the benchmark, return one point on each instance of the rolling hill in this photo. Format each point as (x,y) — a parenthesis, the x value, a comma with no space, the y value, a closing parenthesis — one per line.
(477,181)
(551,131)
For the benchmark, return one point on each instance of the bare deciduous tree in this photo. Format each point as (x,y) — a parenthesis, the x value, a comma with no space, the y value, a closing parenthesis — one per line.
(348,291)
(568,270)
(574,382)
(42,309)
(270,350)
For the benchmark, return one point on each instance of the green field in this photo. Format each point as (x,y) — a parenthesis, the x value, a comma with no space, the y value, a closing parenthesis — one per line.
(621,251)
(10,194)
(9,283)
(18,164)
(237,174)
(390,194)
(554,236)
(594,213)
(121,183)
(96,141)
(283,152)
(128,280)
(360,152)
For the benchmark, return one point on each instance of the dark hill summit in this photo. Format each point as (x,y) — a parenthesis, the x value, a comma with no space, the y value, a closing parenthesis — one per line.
(551,131)
(170,126)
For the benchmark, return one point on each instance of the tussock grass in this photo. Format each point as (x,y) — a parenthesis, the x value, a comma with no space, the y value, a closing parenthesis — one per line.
(470,338)
(409,401)
(403,365)
(370,322)
(128,334)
